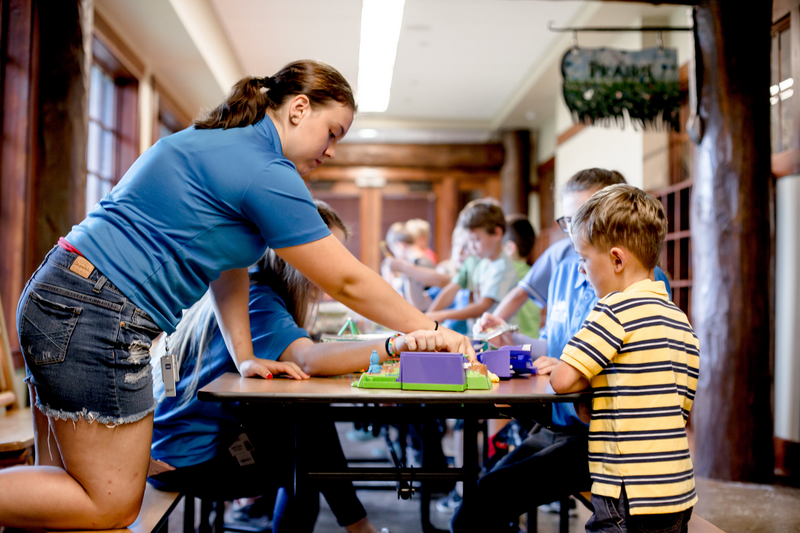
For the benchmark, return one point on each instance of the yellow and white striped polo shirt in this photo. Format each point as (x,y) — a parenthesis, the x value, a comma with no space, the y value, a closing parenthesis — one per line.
(642,359)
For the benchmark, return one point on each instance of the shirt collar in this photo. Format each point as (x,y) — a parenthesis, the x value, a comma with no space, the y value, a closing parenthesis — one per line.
(268,130)
(647,285)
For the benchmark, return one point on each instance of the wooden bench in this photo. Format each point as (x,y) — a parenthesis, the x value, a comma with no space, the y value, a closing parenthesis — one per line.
(153,516)
(16,431)
(698,524)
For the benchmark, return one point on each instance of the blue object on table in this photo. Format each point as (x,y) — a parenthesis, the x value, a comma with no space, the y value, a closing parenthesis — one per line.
(498,362)
(374,363)
(520,359)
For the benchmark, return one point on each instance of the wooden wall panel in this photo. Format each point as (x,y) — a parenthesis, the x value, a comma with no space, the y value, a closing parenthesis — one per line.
(65,62)
(18,65)
(433,156)
(371,214)
(515,175)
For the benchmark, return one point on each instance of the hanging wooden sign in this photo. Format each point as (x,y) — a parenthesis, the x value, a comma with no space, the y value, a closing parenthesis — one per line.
(607,86)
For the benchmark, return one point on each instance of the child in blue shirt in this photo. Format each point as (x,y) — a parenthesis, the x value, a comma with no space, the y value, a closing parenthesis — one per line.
(191,439)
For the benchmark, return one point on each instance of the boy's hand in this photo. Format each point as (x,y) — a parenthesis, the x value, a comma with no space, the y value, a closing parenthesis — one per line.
(488,321)
(545,365)
(394,264)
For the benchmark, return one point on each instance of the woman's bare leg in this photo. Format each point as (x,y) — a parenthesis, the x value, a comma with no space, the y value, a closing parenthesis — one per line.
(101,488)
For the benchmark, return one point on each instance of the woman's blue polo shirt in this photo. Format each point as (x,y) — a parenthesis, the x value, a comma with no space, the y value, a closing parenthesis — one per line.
(194,205)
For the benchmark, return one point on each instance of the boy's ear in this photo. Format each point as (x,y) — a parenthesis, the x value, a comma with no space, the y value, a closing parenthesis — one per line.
(509,248)
(619,258)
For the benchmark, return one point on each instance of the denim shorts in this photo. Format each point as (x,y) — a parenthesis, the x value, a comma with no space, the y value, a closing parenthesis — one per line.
(86,345)
(612,515)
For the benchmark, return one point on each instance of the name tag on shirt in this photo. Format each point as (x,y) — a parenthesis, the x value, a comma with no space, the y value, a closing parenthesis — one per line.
(559,312)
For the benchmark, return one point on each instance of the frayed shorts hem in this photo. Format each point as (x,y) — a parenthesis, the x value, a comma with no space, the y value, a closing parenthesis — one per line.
(92,416)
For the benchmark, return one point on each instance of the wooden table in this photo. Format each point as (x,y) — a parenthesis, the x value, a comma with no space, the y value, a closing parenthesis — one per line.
(334,398)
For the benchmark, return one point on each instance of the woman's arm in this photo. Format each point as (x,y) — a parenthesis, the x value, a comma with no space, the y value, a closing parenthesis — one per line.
(328,264)
(335,358)
(230,294)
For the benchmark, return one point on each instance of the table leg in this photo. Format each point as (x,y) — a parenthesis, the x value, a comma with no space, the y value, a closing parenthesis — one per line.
(471,468)
(430,438)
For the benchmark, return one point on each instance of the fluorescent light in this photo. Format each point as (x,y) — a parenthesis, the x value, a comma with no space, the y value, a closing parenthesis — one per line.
(368,133)
(787,94)
(380,31)
(774,90)
(785,84)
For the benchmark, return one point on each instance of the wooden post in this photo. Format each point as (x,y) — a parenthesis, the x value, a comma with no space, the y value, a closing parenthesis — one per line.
(731,236)
(17,65)
(515,175)
(65,58)
(446,192)
(371,209)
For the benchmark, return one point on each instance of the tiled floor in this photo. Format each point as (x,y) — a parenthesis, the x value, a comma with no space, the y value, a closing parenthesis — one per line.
(733,507)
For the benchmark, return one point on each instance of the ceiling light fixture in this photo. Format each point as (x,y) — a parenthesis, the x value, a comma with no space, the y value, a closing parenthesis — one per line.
(368,133)
(380,32)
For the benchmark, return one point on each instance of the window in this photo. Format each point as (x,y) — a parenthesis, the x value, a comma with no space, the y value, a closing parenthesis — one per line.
(781,88)
(100,150)
(112,143)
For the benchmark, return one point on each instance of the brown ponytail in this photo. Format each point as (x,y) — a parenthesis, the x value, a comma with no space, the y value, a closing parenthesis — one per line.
(250,98)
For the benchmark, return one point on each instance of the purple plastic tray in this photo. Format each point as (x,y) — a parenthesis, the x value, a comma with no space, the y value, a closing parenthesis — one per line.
(440,368)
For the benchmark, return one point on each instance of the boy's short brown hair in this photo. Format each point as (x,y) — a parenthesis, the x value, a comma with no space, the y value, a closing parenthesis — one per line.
(590,179)
(623,215)
(520,232)
(483,214)
(419,228)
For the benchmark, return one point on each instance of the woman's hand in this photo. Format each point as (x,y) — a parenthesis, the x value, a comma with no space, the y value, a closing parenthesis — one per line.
(266,368)
(443,340)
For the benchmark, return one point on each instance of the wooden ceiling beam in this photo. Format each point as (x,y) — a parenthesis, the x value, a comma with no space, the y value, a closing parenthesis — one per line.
(437,156)
(334,173)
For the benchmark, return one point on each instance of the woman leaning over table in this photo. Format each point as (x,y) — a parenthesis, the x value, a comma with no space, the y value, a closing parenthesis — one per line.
(191,214)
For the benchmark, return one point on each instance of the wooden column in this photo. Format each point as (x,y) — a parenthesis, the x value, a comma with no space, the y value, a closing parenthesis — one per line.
(370,216)
(18,75)
(65,58)
(731,235)
(515,175)
(446,192)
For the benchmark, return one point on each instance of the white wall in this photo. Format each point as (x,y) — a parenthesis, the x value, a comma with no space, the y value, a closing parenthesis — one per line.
(787,310)
(546,140)
(613,149)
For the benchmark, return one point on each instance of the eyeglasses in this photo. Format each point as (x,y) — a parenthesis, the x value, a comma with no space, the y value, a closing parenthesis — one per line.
(564,223)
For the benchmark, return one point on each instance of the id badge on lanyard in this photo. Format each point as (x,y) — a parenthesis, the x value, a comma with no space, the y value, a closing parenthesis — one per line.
(169,369)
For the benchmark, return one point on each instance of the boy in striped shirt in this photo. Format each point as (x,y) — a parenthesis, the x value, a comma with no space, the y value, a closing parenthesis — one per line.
(640,356)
